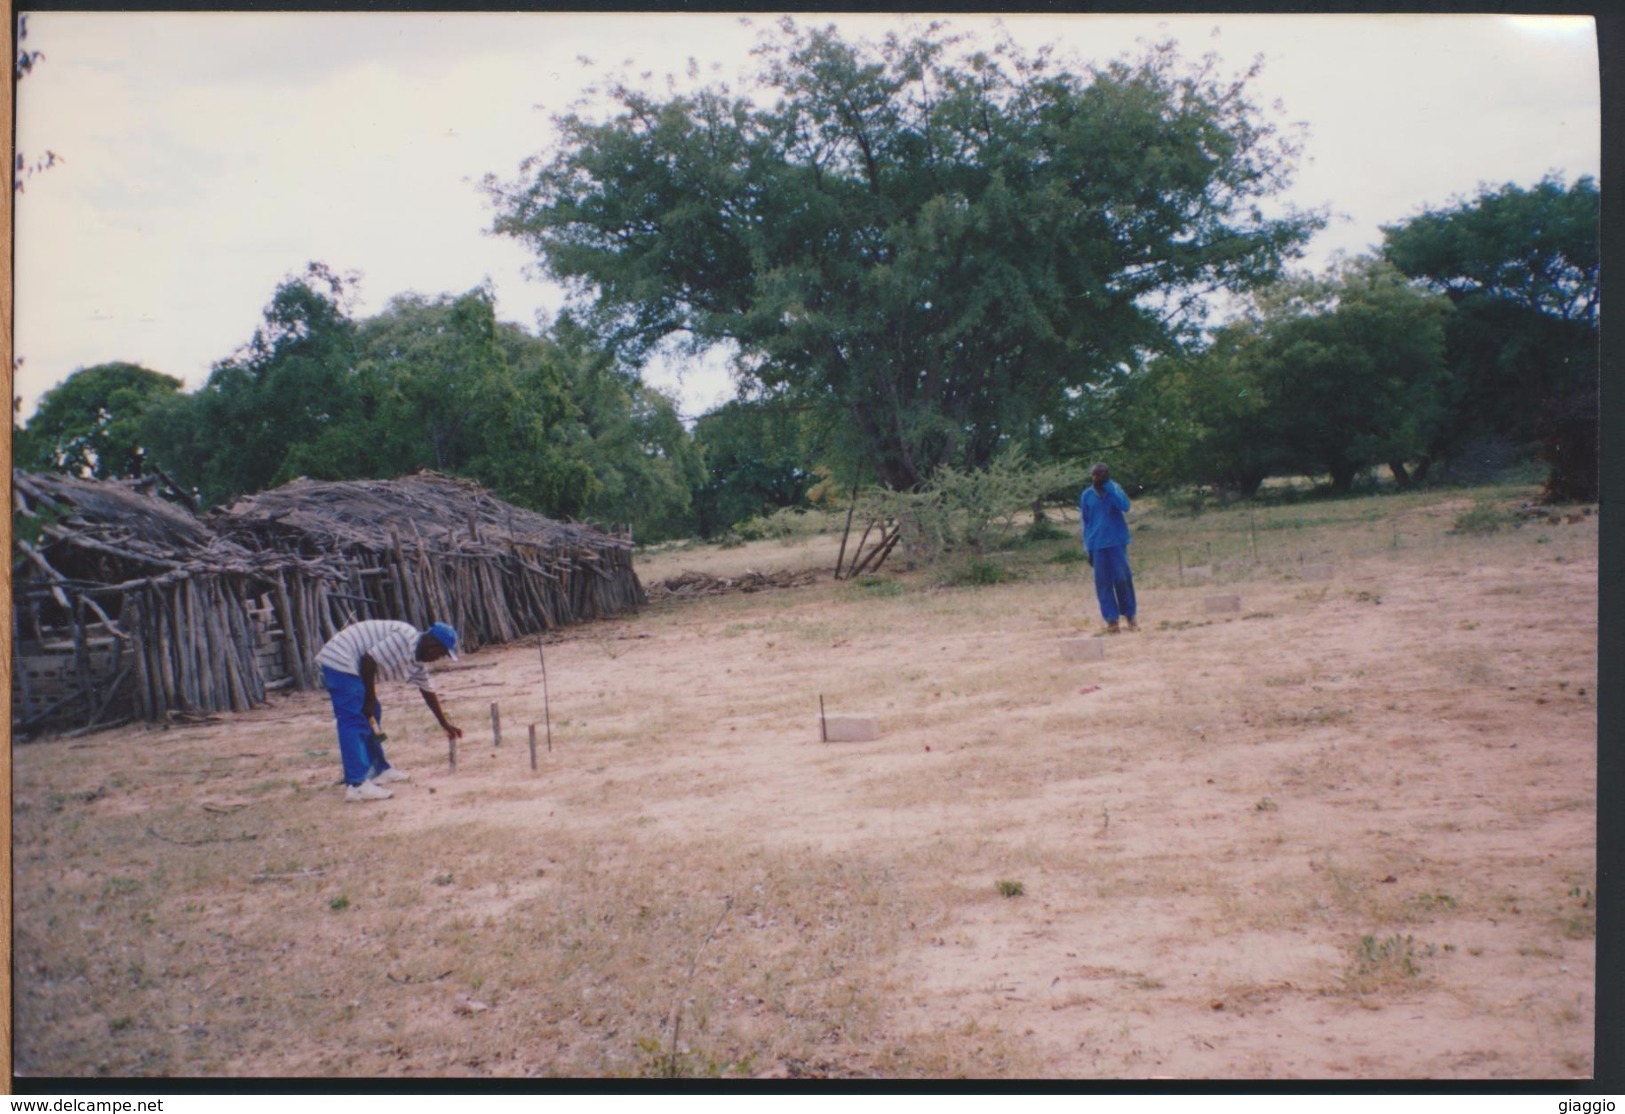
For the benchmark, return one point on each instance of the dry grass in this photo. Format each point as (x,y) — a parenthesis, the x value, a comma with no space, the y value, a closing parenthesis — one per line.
(1229,824)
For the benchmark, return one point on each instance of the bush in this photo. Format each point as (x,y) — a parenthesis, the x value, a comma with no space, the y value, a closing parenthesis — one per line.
(966,512)
(1484,518)
(981,573)
(1043,530)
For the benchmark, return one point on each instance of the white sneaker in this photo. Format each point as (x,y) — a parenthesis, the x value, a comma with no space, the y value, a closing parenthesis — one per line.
(366,791)
(390,776)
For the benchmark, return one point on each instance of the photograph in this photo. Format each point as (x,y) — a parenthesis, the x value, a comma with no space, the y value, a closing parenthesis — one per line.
(784,548)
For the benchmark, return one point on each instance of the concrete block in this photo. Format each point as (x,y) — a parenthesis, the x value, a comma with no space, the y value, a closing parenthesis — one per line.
(1316,572)
(1083,649)
(1217,604)
(851,728)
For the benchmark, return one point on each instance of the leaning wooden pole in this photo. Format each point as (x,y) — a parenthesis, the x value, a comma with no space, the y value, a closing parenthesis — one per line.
(847,533)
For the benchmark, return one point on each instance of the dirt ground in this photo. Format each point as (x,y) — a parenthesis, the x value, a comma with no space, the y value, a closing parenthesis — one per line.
(1344,831)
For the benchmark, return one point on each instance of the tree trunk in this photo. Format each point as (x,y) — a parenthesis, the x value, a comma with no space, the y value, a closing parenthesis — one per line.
(1402,478)
(1343,473)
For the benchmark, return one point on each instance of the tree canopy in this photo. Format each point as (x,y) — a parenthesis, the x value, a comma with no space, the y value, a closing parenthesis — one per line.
(1521,267)
(1322,374)
(90,423)
(547,422)
(938,244)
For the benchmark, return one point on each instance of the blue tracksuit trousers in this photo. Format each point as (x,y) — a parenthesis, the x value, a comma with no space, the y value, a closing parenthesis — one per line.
(359,749)
(1114,584)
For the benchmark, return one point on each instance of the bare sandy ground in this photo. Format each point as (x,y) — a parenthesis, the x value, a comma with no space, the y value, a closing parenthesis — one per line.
(1346,831)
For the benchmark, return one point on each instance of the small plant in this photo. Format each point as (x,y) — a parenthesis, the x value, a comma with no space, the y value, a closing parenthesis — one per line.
(443,879)
(1267,805)
(339,904)
(1069,555)
(1484,518)
(1434,902)
(1378,962)
(655,1062)
(1584,924)
(1043,530)
(1010,889)
(982,573)
(878,586)
(1367,597)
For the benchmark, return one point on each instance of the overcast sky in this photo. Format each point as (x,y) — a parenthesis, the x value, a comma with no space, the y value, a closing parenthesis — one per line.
(206,156)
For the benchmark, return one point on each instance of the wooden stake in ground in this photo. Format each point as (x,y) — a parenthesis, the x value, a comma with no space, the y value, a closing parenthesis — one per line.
(496,725)
(547,711)
(823,728)
(533,748)
(452,742)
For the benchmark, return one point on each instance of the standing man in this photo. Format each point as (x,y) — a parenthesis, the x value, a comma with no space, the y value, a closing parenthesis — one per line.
(1105,539)
(352,662)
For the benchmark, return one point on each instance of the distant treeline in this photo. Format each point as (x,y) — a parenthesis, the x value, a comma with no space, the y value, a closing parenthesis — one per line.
(923,255)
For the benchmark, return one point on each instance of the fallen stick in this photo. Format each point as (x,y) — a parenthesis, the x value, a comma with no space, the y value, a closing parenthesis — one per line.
(284,876)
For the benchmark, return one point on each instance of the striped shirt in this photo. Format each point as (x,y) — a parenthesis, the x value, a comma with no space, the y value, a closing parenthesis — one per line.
(393,645)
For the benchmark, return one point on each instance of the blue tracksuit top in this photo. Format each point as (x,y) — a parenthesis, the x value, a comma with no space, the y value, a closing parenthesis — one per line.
(1103,524)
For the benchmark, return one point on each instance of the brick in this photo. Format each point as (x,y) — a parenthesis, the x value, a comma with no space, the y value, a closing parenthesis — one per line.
(1083,649)
(851,728)
(1216,604)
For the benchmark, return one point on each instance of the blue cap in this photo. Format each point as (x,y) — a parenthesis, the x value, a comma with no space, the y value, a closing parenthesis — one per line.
(446,637)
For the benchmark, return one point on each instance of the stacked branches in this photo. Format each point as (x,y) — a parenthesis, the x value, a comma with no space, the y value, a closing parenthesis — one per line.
(428,548)
(109,566)
(186,607)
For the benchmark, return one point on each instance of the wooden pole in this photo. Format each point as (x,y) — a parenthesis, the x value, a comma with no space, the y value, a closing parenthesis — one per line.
(451,741)
(533,748)
(847,533)
(823,729)
(496,725)
(1179,555)
(547,708)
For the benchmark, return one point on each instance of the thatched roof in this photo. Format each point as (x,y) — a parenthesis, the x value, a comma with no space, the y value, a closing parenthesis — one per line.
(426,510)
(124,524)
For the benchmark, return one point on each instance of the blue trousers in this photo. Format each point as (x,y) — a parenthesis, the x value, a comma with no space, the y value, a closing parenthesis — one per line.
(359,749)
(1114,584)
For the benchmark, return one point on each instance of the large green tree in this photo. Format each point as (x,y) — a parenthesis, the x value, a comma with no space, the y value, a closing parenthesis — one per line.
(90,423)
(940,246)
(1521,267)
(444,385)
(643,463)
(1324,374)
(756,461)
(258,418)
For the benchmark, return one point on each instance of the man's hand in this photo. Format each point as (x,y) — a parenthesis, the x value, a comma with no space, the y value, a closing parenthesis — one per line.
(371,708)
(452,732)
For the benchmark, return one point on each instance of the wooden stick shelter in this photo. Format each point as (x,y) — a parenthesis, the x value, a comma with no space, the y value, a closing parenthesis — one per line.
(129,607)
